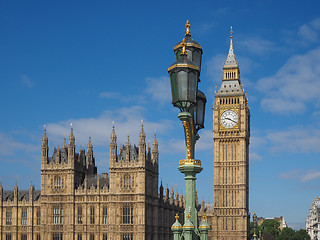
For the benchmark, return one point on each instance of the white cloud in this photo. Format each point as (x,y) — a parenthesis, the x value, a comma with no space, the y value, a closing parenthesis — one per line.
(256,144)
(214,67)
(205,141)
(295,140)
(301,175)
(159,89)
(282,106)
(310,31)
(293,174)
(109,95)
(294,85)
(309,176)
(257,45)
(26,80)
(9,146)
(255,156)
(127,122)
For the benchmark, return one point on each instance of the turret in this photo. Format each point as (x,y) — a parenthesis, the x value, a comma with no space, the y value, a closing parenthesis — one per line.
(15,193)
(181,200)
(71,148)
(128,146)
(172,196)
(166,198)
(155,151)
(90,163)
(161,190)
(90,153)
(44,149)
(202,205)
(148,158)
(58,158)
(177,198)
(142,145)
(113,146)
(31,190)
(64,146)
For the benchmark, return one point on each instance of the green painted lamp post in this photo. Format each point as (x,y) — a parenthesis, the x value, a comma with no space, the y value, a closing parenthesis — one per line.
(255,237)
(184,78)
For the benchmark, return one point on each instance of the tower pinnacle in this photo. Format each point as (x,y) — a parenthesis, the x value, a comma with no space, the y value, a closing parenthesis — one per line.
(113,134)
(231,83)
(231,58)
(71,137)
(142,134)
(45,138)
(89,146)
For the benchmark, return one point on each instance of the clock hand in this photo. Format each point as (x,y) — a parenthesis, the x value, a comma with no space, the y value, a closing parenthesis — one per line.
(231,120)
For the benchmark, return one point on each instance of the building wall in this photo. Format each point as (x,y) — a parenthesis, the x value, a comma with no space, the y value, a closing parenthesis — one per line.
(124,204)
(313,220)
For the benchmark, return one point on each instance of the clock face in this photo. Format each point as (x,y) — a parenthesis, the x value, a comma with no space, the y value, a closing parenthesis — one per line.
(229,119)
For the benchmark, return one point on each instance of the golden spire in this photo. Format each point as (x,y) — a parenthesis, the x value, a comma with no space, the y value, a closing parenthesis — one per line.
(183,45)
(231,32)
(187,27)
(177,216)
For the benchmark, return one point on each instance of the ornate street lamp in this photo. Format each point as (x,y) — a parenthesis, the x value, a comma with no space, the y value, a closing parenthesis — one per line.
(184,78)
(255,237)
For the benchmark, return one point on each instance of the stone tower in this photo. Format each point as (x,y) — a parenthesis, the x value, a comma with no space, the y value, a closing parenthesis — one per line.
(134,188)
(231,132)
(61,174)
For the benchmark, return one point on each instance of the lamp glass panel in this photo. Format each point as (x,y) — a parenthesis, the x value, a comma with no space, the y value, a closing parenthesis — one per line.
(196,58)
(182,84)
(192,87)
(178,56)
(174,91)
(200,112)
(189,54)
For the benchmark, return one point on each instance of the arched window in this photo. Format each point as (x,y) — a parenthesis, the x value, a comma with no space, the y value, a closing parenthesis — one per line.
(57,183)
(127,182)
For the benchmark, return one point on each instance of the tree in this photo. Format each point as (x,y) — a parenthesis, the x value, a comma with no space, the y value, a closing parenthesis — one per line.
(290,234)
(301,235)
(286,234)
(270,229)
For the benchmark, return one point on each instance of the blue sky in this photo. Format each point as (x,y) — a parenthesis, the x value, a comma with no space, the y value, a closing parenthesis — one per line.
(91,63)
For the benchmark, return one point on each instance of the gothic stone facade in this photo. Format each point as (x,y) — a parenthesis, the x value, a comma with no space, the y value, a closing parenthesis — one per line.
(231,132)
(76,204)
(313,220)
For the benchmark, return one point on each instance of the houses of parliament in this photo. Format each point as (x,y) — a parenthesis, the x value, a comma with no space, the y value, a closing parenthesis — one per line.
(75,203)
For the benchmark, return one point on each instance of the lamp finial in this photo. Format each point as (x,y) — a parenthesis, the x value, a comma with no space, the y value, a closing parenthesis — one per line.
(187,27)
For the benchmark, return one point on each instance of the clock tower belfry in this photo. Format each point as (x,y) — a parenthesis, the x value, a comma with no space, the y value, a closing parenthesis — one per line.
(231,132)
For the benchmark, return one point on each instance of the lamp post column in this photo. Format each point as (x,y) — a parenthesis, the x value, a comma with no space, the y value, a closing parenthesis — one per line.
(184,78)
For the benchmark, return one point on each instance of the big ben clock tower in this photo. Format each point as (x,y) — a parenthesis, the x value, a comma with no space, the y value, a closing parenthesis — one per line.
(231,132)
